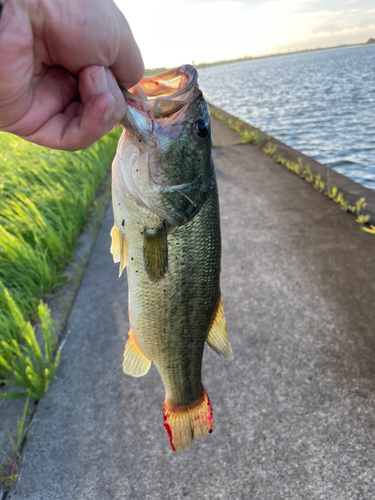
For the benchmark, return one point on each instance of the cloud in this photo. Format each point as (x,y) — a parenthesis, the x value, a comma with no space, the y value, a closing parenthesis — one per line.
(344,27)
(174,32)
(330,28)
(333,5)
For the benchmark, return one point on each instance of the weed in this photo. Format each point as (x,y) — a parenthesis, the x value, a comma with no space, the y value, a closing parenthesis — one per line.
(246,135)
(298,167)
(307,174)
(363,219)
(318,183)
(270,148)
(23,365)
(333,192)
(370,229)
(217,115)
(360,205)
(8,469)
(249,137)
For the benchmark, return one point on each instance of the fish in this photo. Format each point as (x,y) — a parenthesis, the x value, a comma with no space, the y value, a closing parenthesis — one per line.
(166,234)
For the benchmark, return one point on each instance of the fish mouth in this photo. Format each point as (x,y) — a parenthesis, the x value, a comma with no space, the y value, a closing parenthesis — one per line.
(157,101)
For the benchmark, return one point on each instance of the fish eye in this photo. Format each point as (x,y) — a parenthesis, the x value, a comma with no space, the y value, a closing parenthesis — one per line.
(202,128)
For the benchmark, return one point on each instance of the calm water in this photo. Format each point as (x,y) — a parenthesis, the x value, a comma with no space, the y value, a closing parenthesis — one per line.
(321,103)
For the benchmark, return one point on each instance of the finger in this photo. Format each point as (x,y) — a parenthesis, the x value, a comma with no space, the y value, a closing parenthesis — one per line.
(74,109)
(94,80)
(102,34)
(128,67)
(79,132)
(51,95)
(99,112)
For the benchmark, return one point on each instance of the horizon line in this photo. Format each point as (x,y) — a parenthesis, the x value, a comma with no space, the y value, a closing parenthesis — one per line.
(152,71)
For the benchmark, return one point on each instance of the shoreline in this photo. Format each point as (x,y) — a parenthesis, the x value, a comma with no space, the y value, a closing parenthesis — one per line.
(155,71)
(352,191)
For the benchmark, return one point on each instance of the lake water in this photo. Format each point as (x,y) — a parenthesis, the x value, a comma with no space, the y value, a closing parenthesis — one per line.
(321,103)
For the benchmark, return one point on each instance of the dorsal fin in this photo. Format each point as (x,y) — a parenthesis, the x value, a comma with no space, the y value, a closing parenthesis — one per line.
(119,249)
(155,251)
(135,362)
(217,337)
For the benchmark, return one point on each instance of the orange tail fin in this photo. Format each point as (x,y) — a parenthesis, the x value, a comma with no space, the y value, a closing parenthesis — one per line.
(185,423)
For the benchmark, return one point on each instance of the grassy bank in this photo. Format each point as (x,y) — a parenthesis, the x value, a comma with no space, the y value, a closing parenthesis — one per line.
(44,199)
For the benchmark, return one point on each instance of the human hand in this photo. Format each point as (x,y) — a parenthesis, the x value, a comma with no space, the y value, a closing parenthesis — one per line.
(58,69)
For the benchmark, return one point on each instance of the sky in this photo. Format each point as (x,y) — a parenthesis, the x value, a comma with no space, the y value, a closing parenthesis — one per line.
(175,32)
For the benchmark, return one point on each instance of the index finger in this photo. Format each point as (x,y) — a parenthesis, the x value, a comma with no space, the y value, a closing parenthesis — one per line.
(128,67)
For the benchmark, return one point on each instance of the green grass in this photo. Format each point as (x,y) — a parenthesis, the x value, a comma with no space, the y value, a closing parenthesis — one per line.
(8,469)
(370,229)
(245,134)
(44,199)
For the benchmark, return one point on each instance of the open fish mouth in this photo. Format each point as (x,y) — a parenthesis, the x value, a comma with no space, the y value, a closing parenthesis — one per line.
(166,93)
(166,144)
(160,102)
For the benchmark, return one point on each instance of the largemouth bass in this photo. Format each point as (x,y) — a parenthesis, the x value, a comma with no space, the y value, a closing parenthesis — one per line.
(167,233)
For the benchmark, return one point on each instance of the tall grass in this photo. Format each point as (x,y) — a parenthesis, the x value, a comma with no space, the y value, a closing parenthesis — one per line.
(44,198)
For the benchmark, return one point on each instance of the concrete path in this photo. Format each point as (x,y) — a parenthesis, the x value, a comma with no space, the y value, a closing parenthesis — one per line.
(294,413)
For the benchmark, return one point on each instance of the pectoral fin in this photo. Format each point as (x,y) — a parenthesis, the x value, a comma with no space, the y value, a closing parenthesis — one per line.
(217,337)
(135,362)
(119,249)
(155,252)
(115,246)
(124,261)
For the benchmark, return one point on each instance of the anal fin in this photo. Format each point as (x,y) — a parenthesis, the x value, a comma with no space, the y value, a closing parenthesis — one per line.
(135,362)
(217,337)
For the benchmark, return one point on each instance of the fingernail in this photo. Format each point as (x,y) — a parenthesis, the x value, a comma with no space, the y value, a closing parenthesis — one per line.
(99,80)
(111,82)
